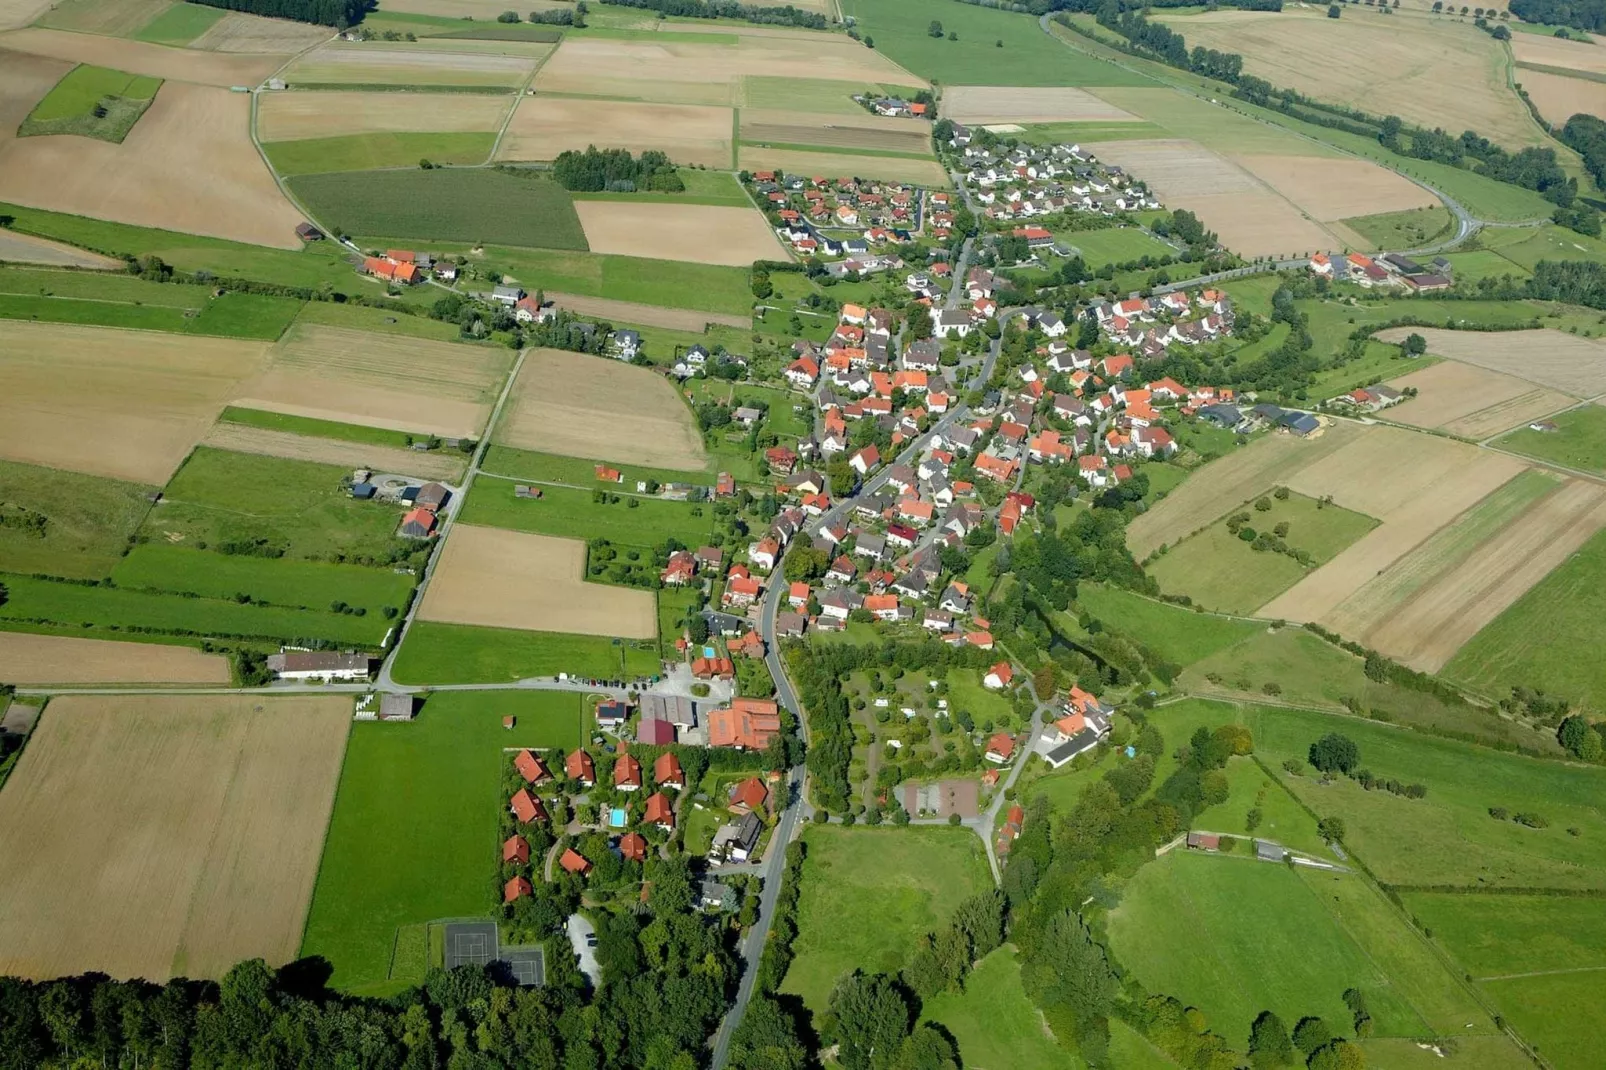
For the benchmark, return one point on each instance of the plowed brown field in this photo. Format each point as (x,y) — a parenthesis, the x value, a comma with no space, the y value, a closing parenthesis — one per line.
(1548,357)
(287,116)
(58,659)
(137,57)
(1472,402)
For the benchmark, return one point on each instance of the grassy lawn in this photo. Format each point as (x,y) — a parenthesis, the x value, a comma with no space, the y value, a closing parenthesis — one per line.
(572,513)
(673,602)
(965,692)
(364,152)
(581,472)
(413,836)
(1409,229)
(1207,441)
(448,205)
(1281,818)
(667,283)
(994,1020)
(1483,264)
(220,496)
(92,102)
(856,632)
(1526,246)
(868,894)
(1220,571)
(1520,647)
(1115,245)
(437,653)
(179,24)
(1560,1014)
(308,584)
(109,300)
(1180,930)
(307,425)
(1378,363)
(1448,837)
(1579,440)
(88,521)
(1493,935)
(1178,635)
(383,321)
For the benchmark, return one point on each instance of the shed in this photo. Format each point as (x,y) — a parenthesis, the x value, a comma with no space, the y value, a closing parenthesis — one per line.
(363,491)
(655,733)
(304,231)
(1267,851)
(394,707)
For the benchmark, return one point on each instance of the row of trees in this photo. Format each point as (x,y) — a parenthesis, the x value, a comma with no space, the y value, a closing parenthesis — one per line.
(337,13)
(785,15)
(616,170)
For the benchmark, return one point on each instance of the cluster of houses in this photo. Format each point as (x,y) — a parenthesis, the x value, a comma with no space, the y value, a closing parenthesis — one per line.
(895,107)
(1032,181)
(1391,269)
(1149,324)
(852,223)
(407,268)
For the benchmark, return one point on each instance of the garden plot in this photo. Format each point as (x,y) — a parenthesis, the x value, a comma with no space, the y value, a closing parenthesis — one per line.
(1548,357)
(1331,190)
(544,126)
(698,233)
(414,66)
(188,165)
(55,659)
(445,465)
(873,133)
(402,384)
(981,104)
(600,409)
(512,579)
(237,32)
(334,113)
(124,404)
(207,855)
(137,57)
(1559,98)
(1472,402)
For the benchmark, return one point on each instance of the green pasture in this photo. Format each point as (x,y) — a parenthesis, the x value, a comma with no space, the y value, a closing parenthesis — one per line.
(179,24)
(572,513)
(1282,819)
(1526,246)
(1483,264)
(1089,132)
(673,603)
(307,584)
(382,321)
(92,102)
(1181,636)
(1560,1014)
(366,152)
(812,94)
(579,472)
(1115,245)
(1495,935)
(307,425)
(445,205)
(1378,362)
(995,1021)
(436,653)
(413,836)
(89,520)
(1410,229)
(1579,440)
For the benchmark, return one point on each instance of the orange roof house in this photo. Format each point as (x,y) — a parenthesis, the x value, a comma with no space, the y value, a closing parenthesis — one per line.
(627,773)
(531,768)
(659,812)
(750,794)
(579,766)
(516,849)
(666,772)
(1000,748)
(527,808)
(516,889)
(633,847)
(574,862)
(748,723)
(999,676)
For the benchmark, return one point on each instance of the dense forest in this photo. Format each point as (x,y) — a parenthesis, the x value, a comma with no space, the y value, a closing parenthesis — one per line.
(1586,135)
(1579,14)
(785,15)
(616,171)
(337,13)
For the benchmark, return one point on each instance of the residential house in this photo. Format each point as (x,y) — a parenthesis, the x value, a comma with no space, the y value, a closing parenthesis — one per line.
(747,724)
(999,676)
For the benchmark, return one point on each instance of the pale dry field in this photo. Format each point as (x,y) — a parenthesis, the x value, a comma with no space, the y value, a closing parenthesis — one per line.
(600,409)
(842,165)
(1427,631)
(980,104)
(366,65)
(1249,216)
(1331,190)
(162,835)
(444,465)
(1554,52)
(542,127)
(404,384)
(137,57)
(696,233)
(26,249)
(866,131)
(675,319)
(125,404)
(334,113)
(188,165)
(1439,74)
(20,12)
(510,579)
(24,80)
(1224,484)
(1470,401)
(1548,357)
(114,18)
(237,32)
(58,659)
(1559,98)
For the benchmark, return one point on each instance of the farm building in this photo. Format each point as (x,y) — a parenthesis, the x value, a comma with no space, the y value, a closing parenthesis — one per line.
(678,710)
(748,724)
(432,496)
(418,524)
(655,733)
(306,231)
(1204,841)
(1267,851)
(319,665)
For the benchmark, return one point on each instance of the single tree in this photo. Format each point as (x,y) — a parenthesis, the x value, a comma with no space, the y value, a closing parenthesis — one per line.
(1269,1045)
(1334,753)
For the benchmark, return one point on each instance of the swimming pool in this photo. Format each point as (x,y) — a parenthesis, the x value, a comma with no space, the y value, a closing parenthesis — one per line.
(618,818)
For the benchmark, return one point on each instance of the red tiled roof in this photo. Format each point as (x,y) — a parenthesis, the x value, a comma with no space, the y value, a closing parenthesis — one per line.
(516,849)
(574,862)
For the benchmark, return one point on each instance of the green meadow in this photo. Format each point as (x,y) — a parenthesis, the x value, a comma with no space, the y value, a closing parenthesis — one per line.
(1579,440)
(366,152)
(88,521)
(573,513)
(1181,636)
(435,653)
(305,584)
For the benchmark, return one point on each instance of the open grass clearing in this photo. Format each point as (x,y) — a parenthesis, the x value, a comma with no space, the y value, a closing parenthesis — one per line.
(869,894)
(506,579)
(1578,441)
(1089,132)
(571,513)
(414,831)
(1218,128)
(88,521)
(295,116)
(328,429)
(982,104)
(995,1021)
(1409,228)
(435,653)
(570,403)
(92,102)
(1472,402)
(842,165)
(445,465)
(544,126)
(1558,1013)
(539,467)
(1526,246)
(366,152)
(1548,357)
(53,659)
(223,803)
(1115,245)
(704,234)
(620,313)
(308,584)
(1492,935)
(179,24)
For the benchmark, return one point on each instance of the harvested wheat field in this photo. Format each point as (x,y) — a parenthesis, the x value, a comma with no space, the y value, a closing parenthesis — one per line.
(125,404)
(510,579)
(20,12)
(1559,98)
(840,164)
(674,319)
(56,659)
(1548,357)
(335,113)
(114,18)
(24,80)
(1222,485)
(542,127)
(1249,216)
(403,384)
(445,466)
(188,165)
(369,65)
(1470,401)
(1584,56)
(866,131)
(160,836)
(1427,631)
(1414,483)
(575,404)
(236,32)
(980,104)
(1440,74)
(1330,190)
(137,57)
(696,233)
(26,249)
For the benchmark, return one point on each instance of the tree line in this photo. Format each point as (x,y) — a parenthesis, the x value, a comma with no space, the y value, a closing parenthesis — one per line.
(1579,14)
(785,15)
(337,13)
(616,171)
